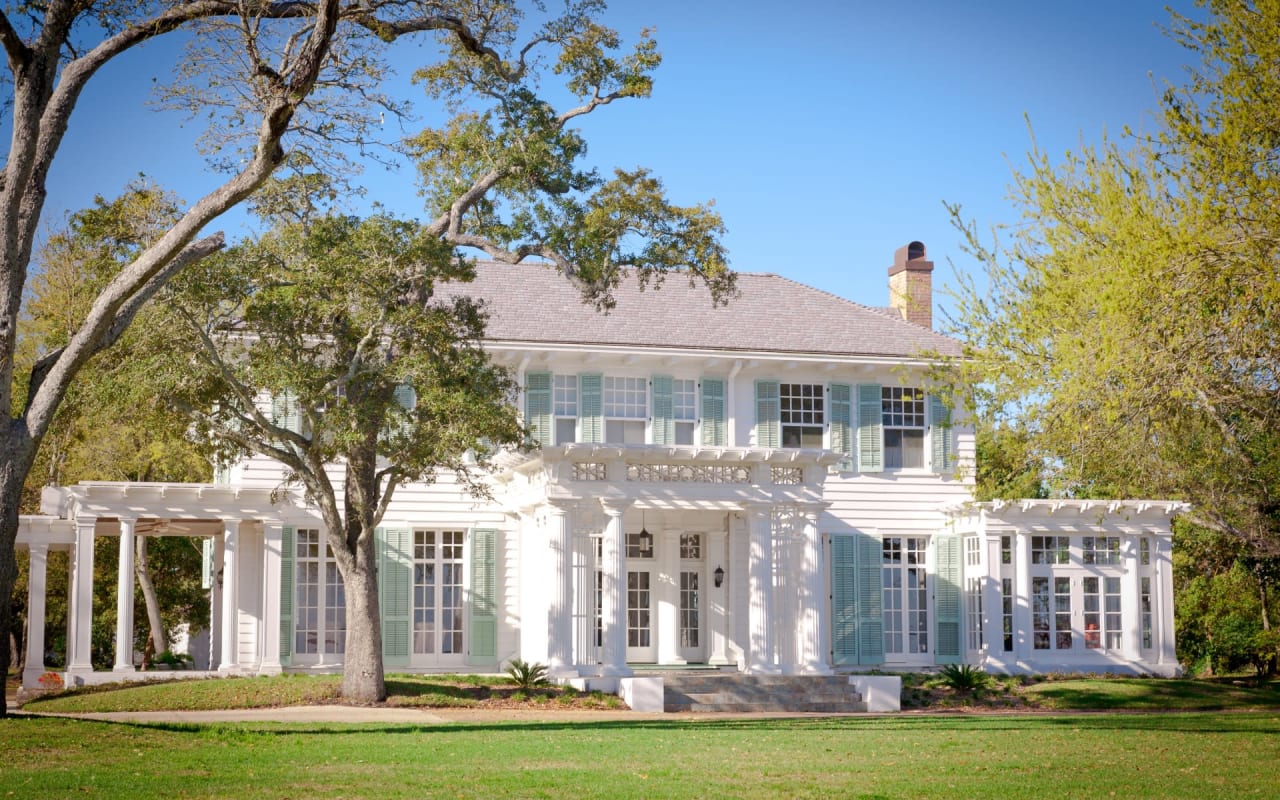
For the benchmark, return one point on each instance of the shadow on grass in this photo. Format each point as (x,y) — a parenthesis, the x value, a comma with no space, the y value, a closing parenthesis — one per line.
(1176,722)
(1151,695)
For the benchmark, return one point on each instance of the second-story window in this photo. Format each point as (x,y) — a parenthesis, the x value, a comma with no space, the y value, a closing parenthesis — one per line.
(684,409)
(626,405)
(902,410)
(565,408)
(801,410)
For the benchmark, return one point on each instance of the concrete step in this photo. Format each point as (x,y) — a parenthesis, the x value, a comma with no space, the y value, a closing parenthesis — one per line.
(746,693)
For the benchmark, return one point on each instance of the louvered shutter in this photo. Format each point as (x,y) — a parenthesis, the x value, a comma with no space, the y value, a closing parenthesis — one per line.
(285,411)
(870,601)
(395,593)
(941,436)
(484,597)
(870,429)
(537,407)
(591,407)
(768,426)
(844,600)
(714,429)
(946,599)
(664,424)
(842,424)
(288,536)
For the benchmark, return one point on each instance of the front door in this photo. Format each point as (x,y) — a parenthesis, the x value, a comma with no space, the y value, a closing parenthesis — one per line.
(905,587)
(640,638)
(689,583)
(437,598)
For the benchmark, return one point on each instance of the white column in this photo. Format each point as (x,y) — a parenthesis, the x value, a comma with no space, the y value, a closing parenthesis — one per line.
(37,579)
(668,596)
(1162,600)
(1021,596)
(230,594)
(613,600)
(814,607)
(993,601)
(560,571)
(215,605)
(717,606)
(760,590)
(272,535)
(81,622)
(124,598)
(1130,600)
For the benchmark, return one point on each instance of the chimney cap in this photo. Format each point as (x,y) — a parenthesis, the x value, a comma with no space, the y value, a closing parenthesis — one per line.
(910,256)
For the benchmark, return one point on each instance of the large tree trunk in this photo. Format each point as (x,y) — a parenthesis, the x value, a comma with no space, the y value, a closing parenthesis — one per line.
(15,462)
(158,640)
(363,680)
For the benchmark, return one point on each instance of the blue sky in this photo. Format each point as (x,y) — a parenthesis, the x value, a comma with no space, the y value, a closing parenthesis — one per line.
(828,133)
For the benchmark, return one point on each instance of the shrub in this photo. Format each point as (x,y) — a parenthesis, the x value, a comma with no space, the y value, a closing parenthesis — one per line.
(527,676)
(963,678)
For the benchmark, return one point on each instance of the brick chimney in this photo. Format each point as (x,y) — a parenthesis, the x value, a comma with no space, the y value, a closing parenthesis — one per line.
(911,284)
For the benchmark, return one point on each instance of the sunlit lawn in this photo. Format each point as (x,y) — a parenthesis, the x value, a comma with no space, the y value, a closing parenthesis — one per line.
(1095,755)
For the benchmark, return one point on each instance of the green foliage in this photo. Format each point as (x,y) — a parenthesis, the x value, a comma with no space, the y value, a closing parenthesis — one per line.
(527,676)
(1127,321)
(963,678)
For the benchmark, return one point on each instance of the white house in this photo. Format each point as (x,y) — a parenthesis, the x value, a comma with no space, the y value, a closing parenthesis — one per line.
(771,487)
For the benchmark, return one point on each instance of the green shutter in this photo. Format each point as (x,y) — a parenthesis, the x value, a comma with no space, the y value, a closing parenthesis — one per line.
(484,597)
(405,396)
(287,543)
(946,599)
(870,601)
(842,424)
(940,436)
(395,592)
(285,411)
(591,407)
(537,407)
(664,424)
(844,601)
(870,429)
(714,431)
(768,427)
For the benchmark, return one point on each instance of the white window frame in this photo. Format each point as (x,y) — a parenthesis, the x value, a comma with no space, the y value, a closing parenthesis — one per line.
(311,547)
(684,410)
(903,410)
(625,400)
(564,406)
(802,408)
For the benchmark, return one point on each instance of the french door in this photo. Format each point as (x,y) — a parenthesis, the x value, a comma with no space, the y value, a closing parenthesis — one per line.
(438,569)
(905,595)
(641,646)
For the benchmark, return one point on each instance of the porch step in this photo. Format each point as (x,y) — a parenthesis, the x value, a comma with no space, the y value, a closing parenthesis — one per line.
(821,694)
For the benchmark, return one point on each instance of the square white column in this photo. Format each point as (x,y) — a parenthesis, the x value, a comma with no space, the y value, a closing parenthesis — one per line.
(760,644)
(717,605)
(37,581)
(124,598)
(613,600)
(230,594)
(1022,632)
(668,595)
(1130,600)
(80,623)
(272,536)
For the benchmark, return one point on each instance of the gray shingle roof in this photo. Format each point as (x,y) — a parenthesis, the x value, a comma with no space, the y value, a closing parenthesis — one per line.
(535,304)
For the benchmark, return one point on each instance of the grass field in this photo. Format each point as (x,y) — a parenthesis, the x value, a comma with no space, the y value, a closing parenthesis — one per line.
(1187,755)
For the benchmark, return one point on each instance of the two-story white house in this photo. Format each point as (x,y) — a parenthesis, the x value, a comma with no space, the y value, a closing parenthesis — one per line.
(773,487)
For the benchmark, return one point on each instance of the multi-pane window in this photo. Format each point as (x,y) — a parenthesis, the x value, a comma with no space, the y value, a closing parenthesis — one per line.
(1051,613)
(639,545)
(1144,551)
(638,595)
(1100,550)
(564,406)
(905,595)
(684,409)
(1050,550)
(437,592)
(902,413)
(1101,613)
(802,414)
(973,608)
(320,619)
(689,608)
(972,551)
(691,545)
(1006,549)
(1006,612)
(626,406)
(1146,613)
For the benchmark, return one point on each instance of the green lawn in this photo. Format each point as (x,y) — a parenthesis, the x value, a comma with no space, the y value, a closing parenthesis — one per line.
(1095,755)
